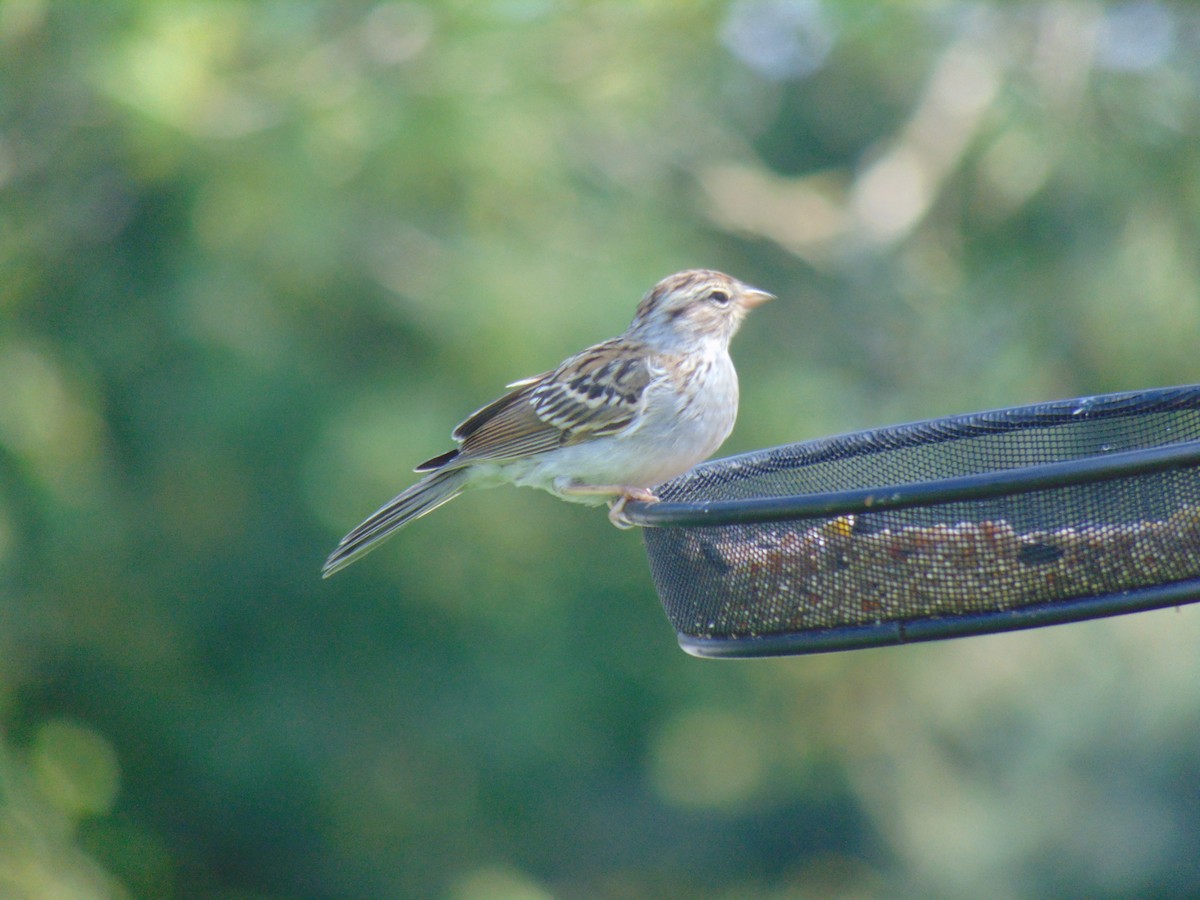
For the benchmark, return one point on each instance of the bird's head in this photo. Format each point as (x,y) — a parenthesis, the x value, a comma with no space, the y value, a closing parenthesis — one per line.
(694,306)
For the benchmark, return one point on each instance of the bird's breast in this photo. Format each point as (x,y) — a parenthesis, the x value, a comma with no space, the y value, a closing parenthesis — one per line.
(691,410)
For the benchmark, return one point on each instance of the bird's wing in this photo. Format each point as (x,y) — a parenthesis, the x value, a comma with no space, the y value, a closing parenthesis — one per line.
(600,391)
(532,379)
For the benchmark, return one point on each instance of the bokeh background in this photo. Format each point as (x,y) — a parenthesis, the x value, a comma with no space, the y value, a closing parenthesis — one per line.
(256,259)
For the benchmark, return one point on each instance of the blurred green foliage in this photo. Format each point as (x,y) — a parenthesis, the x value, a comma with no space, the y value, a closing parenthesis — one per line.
(256,259)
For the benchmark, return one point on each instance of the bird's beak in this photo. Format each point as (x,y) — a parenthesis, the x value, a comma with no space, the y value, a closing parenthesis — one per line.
(752,297)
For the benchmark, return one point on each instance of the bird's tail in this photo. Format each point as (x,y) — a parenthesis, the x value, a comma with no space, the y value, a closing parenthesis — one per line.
(425,496)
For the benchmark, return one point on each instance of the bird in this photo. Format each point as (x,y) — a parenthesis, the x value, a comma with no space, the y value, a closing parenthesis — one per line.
(607,425)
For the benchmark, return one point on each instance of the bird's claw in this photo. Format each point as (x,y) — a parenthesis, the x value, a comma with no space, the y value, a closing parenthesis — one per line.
(616,509)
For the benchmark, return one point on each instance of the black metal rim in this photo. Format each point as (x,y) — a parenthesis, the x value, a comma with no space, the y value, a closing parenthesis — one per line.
(885,634)
(1083,470)
(1006,482)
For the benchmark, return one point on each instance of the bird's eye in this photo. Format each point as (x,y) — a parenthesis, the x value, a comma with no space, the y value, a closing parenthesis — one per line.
(719,297)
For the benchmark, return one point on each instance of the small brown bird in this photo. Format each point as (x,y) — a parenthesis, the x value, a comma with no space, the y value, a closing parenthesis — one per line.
(608,424)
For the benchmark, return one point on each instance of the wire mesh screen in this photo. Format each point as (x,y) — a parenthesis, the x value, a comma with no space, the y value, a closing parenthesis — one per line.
(1066,510)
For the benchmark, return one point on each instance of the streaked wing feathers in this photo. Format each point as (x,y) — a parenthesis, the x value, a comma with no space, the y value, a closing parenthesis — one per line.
(532,379)
(481,417)
(598,392)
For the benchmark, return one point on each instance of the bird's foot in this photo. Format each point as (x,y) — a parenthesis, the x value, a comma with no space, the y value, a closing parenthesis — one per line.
(623,493)
(616,509)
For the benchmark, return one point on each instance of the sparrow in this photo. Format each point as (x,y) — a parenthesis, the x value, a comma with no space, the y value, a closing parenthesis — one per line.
(607,425)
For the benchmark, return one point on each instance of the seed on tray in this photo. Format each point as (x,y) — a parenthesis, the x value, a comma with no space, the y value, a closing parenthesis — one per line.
(849,571)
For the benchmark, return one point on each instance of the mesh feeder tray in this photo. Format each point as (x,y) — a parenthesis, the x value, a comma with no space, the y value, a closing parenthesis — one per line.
(995,521)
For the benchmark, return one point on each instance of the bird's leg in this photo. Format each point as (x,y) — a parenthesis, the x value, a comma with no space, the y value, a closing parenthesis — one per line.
(622,494)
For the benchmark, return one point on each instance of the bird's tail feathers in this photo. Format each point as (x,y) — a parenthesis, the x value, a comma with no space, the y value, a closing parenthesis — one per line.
(425,496)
